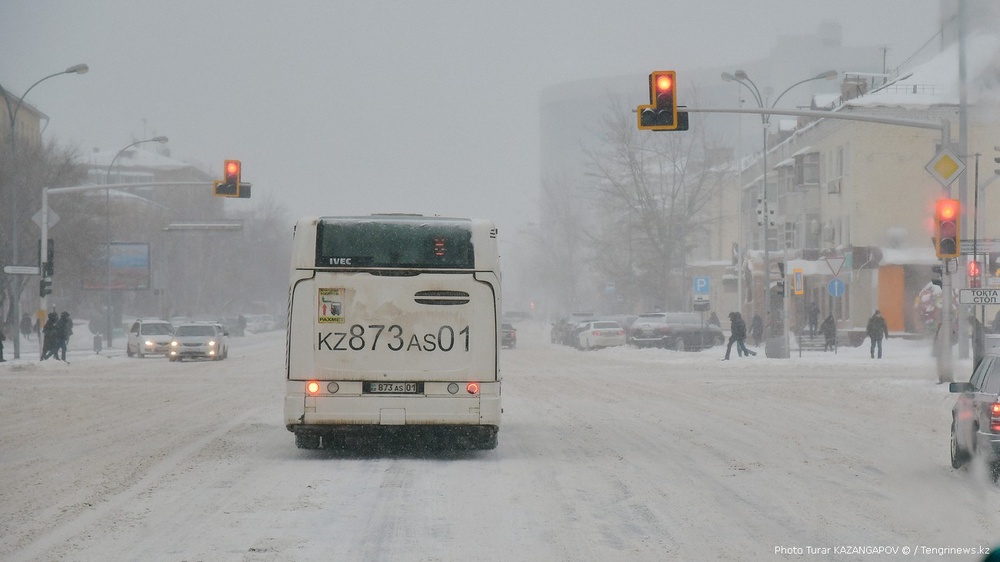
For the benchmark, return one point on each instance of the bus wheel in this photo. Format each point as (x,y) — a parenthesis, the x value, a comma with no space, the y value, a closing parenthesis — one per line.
(306,441)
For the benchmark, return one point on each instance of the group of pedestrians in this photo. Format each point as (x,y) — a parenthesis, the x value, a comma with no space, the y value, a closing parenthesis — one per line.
(56,332)
(55,335)
(876,330)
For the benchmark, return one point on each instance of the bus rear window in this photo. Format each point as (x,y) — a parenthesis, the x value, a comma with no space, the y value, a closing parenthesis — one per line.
(411,242)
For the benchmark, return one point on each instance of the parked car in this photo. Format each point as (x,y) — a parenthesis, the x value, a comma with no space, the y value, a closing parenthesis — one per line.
(148,337)
(564,331)
(975,417)
(600,333)
(199,341)
(508,335)
(675,330)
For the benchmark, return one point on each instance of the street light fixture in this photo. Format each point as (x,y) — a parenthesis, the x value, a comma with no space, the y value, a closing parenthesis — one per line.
(107,196)
(15,212)
(744,80)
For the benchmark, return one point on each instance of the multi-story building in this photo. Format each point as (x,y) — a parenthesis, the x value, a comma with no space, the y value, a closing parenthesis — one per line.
(853,201)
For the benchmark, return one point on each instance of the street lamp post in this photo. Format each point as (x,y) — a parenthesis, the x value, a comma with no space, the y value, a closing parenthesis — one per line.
(107,223)
(14,197)
(741,77)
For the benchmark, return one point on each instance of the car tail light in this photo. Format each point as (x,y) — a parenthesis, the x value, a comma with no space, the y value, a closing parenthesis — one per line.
(995,417)
(597,333)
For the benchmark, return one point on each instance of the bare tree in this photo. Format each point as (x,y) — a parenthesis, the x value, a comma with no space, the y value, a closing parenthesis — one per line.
(653,192)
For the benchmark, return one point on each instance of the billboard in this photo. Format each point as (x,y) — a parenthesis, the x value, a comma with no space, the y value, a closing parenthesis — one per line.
(120,266)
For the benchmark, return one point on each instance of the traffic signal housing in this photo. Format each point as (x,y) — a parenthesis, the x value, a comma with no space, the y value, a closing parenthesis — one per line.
(231,170)
(946,228)
(662,114)
(45,286)
(230,185)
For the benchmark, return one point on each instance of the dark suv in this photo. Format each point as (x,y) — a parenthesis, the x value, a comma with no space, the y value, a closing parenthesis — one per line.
(674,330)
(975,418)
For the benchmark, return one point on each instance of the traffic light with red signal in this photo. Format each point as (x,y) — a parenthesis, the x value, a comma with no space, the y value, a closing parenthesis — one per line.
(231,185)
(975,275)
(662,113)
(946,228)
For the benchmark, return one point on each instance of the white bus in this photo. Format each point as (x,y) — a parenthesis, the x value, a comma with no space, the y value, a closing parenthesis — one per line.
(393,332)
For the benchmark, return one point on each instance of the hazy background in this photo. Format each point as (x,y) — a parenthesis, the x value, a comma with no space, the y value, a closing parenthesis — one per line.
(375,106)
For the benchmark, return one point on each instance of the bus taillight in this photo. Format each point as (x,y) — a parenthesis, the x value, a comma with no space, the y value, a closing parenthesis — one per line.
(312,387)
(472,388)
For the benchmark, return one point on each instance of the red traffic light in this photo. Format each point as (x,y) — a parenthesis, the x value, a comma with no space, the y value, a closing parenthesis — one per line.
(664,82)
(231,170)
(661,114)
(946,217)
(947,209)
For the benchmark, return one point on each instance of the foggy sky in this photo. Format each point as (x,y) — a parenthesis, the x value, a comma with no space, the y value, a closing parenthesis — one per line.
(339,107)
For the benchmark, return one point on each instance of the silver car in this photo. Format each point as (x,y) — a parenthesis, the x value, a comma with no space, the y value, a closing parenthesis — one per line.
(149,337)
(199,341)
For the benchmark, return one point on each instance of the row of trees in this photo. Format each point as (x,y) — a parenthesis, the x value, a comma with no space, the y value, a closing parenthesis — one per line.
(192,272)
(617,238)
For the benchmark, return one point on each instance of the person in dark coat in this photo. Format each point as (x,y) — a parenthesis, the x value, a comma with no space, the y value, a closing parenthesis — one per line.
(812,313)
(737,335)
(50,336)
(2,338)
(757,329)
(26,325)
(876,330)
(828,329)
(64,330)
(714,319)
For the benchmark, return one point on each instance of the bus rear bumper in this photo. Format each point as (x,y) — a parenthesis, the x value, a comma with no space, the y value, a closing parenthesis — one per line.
(347,416)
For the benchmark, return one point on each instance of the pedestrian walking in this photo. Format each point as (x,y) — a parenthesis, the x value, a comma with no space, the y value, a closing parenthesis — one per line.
(737,335)
(829,331)
(26,325)
(876,329)
(812,314)
(3,338)
(65,330)
(50,336)
(756,329)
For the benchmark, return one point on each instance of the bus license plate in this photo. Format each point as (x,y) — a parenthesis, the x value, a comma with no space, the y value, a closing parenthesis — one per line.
(392,388)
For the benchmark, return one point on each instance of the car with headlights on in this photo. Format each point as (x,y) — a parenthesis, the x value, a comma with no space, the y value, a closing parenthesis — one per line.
(600,333)
(148,337)
(199,341)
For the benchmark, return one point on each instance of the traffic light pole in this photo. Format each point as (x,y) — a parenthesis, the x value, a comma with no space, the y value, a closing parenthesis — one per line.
(942,339)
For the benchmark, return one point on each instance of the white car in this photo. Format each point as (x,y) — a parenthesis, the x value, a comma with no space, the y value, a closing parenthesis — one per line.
(199,341)
(149,337)
(600,333)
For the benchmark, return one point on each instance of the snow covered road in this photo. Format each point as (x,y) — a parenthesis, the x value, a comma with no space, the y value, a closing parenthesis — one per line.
(614,454)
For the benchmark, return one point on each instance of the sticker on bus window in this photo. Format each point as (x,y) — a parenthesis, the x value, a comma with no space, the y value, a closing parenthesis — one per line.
(331,306)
